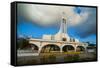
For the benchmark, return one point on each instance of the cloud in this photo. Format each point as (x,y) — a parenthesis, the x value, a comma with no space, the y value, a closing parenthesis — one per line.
(83,19)
(88,26)
(46,15)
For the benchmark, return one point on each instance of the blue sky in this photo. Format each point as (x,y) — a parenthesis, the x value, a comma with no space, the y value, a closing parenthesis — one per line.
(29,29)
(84,30)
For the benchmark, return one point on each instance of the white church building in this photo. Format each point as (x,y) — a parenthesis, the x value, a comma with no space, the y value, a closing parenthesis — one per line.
(60,42)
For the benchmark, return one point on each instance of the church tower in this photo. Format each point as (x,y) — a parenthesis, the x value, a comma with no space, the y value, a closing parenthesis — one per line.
(63,28)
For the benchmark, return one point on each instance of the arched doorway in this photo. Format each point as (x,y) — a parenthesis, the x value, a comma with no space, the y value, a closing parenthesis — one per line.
(50,48)
(34,47)
(80,49)
(68,48)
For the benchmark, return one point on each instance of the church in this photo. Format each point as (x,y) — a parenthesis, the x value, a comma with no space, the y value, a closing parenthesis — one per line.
(60,42)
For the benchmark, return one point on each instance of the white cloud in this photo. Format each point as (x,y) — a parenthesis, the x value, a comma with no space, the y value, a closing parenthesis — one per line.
(44,15)
(47,15)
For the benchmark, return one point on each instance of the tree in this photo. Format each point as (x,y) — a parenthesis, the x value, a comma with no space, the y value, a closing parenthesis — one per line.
(22,43)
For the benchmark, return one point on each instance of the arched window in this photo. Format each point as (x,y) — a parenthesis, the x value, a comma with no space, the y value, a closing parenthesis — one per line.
(34,47)
(80,48)
(50,48)
(68,48)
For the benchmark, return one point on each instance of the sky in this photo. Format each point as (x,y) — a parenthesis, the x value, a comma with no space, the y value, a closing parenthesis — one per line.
(36,20)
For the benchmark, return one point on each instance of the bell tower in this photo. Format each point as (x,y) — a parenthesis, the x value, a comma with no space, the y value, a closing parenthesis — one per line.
(63,27)
(64,23)
(62,34)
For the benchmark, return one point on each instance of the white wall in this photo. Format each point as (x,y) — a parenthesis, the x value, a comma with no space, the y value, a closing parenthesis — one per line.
(5,34)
